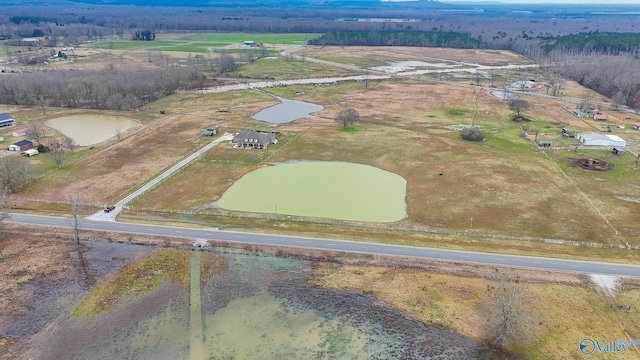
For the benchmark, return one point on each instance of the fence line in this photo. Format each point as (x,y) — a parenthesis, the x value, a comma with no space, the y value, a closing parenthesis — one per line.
(410,228)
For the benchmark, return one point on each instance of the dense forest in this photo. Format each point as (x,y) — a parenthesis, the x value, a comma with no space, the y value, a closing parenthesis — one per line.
(397,38)
(110,88)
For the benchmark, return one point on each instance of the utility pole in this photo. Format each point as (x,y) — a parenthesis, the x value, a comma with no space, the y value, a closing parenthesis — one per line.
(475,109)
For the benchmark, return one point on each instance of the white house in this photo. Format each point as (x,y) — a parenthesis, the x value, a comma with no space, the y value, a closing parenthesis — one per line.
(596,139)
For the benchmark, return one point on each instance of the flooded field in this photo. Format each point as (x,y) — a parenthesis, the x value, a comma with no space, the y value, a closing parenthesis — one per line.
(260,307)
(90,129)
(287,111)
(336,190)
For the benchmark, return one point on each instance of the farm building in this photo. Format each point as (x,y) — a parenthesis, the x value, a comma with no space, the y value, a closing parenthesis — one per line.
(254,139)
(595,139)
(30,152)
(636,126)
(544,143)
(579,113)
(600,117)
(22,145)
(6,120)
(568,133)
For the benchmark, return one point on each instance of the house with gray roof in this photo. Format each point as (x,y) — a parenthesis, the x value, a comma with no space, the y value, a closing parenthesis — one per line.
(6,120)
(253,139)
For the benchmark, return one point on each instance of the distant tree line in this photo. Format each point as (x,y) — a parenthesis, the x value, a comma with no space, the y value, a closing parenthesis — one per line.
(110,88)
(397,38)
(611,43)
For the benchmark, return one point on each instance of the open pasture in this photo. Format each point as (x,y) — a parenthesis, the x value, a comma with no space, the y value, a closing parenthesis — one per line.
(504,185)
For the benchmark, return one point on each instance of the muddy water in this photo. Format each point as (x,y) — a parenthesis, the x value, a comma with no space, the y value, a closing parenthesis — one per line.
(336,190)
(90,129)
(260,308)
(287,111)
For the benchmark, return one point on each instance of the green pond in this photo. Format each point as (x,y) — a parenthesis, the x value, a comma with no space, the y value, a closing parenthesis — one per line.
(336,190)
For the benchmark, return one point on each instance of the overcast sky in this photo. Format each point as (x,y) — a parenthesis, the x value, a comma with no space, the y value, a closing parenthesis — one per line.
(636,2)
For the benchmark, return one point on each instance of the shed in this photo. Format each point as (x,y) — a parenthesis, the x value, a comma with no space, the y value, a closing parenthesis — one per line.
(544,143)
(600,117)
(579,113)
(636,126)
(566,132)
(30,152)
(6,120)
(21,145)
(249,42)
(596,139)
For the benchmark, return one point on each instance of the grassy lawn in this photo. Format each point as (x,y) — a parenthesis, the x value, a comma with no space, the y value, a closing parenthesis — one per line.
(283,69)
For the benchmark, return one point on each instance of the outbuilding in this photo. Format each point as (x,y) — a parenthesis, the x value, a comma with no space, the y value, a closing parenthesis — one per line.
(600,117)
(6,120)
(544,143)
(30,152)
(22,145)
(596,139)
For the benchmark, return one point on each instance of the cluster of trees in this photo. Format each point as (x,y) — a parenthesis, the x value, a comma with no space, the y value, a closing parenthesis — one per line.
(110,88)
(144,35)
(617,77)
(397,38)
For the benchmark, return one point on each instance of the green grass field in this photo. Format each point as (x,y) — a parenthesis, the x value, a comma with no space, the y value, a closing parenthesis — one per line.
(294,38)
(202,43)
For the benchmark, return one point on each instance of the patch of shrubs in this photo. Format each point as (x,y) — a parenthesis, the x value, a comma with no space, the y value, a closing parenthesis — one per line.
(472,134)
(43,149)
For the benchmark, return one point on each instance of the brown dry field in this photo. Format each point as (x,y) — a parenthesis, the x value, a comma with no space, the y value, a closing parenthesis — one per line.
(402,53)
(503,185)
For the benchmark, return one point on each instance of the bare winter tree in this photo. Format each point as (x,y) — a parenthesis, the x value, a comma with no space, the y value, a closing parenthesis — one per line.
(118,133)
(42,101)
(348,116)
(617,101)
(74,205)
(75,209)
(518,106)
(36,130)
(227,63)
(586,101)
(14,173)
(510,316)
(3,216)
(555,85)
(57,153)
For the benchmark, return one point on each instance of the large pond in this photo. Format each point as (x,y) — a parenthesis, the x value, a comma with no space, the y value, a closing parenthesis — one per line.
(336,190)
(287,111)
(89,129)
(261,307)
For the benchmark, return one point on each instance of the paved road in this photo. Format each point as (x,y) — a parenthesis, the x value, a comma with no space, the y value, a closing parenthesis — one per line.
(111,216)
(341,245)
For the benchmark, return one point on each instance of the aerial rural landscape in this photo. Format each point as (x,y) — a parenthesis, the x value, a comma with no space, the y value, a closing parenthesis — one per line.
(319,180)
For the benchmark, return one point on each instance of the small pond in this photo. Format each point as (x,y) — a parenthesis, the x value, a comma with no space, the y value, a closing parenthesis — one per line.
(90,129)
(335,190)
(287,111)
